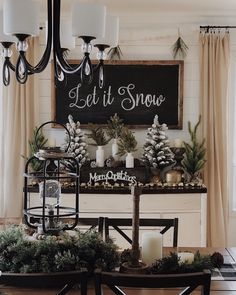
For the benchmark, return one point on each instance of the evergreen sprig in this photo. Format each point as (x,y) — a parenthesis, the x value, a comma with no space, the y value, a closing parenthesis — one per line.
(194,158)
(97,135)
(114,126)
(171,264)
(127,142)
(179,48)
(115,53)
(35,144)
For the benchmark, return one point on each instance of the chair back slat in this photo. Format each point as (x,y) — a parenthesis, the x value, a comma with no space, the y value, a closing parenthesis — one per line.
(188,281)
(93,223)
(167,224)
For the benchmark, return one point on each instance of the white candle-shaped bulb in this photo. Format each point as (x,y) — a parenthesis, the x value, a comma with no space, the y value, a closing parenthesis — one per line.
(151,247)
(111,32)
(88,19)
(186,257)
(21,17)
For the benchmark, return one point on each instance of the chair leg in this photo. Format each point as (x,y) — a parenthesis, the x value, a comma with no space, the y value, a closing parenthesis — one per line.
(206,288)
(65,289)
(188,290)
(97,285)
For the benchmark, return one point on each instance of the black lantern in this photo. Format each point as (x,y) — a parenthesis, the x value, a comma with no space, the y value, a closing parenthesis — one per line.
(47,214)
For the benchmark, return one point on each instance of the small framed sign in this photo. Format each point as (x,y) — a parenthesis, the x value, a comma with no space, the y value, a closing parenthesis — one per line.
(135,90)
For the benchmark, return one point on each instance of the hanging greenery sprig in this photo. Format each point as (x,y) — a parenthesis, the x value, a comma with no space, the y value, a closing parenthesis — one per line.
(114,53)
(180,48)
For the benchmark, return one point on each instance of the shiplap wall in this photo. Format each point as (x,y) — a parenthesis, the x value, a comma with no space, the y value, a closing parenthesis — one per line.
(144,44)
(150,38)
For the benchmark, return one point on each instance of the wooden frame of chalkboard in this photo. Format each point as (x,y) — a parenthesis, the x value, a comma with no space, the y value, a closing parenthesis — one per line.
(135,90)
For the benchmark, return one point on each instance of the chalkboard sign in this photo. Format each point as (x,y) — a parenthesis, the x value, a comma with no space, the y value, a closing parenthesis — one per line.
(135,90)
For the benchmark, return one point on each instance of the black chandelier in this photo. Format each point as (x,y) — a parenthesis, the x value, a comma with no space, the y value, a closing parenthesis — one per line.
(90,22)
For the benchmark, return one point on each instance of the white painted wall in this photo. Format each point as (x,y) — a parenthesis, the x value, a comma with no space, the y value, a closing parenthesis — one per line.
(150,37)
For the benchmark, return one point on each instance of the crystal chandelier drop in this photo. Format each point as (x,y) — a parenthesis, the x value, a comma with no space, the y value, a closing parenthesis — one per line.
(19,21)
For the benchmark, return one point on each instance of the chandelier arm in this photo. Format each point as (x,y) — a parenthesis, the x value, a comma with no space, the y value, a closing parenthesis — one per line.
(46,55)
(6,76)
(65,67)
(58,73)
(10,64)
(86,73)
(21,69)
(101,74)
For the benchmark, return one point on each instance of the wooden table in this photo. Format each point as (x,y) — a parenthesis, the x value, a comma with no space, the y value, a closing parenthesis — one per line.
(217,287)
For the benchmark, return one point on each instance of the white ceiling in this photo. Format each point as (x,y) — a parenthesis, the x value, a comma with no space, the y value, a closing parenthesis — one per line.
(191,7)
(180,6)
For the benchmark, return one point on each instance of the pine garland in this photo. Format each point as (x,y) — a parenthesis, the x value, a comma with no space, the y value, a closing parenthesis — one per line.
(171,264)
(18,254)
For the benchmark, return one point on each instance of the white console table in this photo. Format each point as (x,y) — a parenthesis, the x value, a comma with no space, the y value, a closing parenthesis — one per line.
(188,205)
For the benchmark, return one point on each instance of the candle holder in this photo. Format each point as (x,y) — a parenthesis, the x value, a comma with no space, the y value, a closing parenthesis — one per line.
(179,155)
(135,265)
(47,215)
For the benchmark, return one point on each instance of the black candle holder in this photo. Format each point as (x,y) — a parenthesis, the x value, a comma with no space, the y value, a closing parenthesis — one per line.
(51,217)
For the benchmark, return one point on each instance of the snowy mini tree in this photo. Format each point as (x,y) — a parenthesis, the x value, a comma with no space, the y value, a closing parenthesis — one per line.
(157,152)
(78,146)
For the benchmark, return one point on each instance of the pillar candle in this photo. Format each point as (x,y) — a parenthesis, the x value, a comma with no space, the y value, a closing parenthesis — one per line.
(51,142)
(186,257)
(151,247)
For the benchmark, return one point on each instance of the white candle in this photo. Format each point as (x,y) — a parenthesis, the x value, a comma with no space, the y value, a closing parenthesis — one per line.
(51,142)
(178,142)
(151,247)
(186,257)
(40,230)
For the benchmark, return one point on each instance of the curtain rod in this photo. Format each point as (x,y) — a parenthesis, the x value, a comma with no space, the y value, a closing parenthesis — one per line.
(217,27)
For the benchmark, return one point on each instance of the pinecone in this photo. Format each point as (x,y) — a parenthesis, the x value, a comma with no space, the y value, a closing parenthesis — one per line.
(217,259)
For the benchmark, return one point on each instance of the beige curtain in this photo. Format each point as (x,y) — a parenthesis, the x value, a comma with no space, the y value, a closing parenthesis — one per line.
(214,71)
(18,115)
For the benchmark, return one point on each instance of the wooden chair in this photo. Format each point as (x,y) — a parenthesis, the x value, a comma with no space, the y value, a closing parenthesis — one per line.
(188,281)
(80,279)
(63,281)
(165,224)
(93,223)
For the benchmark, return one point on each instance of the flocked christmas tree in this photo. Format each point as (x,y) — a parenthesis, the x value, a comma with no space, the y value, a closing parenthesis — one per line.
(157,151)
(78,146)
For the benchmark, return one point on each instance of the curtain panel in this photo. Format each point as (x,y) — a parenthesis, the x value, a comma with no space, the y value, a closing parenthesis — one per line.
(18,115)
(214,73)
